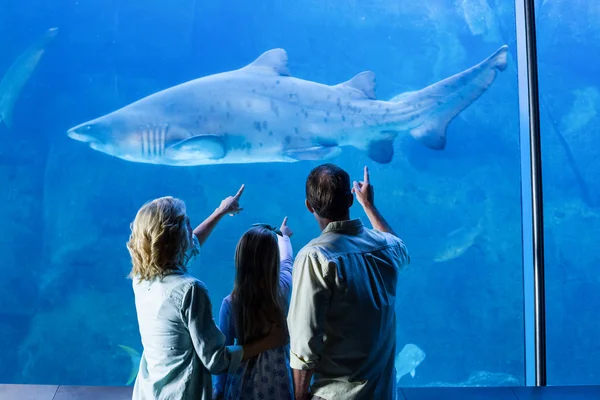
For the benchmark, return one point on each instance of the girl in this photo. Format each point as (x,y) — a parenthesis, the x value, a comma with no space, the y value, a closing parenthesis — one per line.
(260,298)
(182,344)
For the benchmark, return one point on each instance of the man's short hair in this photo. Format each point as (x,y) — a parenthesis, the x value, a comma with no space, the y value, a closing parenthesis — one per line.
(328,191)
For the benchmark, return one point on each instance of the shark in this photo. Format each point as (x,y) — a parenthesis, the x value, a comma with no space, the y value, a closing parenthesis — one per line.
(18,75)
(259,113)
(407,360)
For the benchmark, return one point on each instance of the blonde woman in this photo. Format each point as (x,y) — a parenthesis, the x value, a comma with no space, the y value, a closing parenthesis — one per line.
(182,344)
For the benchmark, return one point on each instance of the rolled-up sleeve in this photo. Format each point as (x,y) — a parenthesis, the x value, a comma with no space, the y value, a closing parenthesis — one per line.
(308,307)
(208,340)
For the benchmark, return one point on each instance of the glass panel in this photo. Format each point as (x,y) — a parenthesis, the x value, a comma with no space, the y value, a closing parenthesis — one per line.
(68,308)
(570,98)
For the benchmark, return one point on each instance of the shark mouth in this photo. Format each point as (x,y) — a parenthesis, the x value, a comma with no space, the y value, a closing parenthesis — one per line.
(80,136)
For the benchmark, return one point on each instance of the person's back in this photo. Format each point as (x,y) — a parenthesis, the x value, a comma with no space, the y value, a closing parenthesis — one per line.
(362,268)
(170,367)
(342,316)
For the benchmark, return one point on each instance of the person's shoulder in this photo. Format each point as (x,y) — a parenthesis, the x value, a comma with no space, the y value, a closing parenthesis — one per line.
(393,239)
(385,236)
(186,284)
(311,250)
(185,281)
(227,301)
(315,257)
(388,239)
(196,284)
(395,243)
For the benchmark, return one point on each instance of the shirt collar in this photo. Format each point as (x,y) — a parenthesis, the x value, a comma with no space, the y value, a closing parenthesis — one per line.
(349,227)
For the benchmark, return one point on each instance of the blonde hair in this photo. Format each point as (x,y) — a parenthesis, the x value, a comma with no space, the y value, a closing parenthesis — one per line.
(160,238)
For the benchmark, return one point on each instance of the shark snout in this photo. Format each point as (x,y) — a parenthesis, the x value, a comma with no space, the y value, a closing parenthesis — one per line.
(97,134)
(82,134)
(96,131)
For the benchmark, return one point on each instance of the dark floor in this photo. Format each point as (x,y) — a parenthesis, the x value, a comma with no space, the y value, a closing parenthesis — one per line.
(33,392)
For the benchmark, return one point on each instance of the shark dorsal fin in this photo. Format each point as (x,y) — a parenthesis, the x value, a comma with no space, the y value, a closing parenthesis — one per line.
(272,61)
(363,82)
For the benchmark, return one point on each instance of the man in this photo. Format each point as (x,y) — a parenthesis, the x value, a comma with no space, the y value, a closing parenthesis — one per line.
(342,317)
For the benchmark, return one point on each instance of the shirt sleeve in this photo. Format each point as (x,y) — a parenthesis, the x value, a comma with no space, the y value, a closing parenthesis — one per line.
(208,340)
(226,325)
(308,307)
(286,256)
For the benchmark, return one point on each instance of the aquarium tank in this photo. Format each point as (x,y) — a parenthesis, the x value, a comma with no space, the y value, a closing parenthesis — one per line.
(101,111)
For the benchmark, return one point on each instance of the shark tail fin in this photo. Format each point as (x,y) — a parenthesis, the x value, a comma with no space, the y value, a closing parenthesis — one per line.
(437,105)
(134,355)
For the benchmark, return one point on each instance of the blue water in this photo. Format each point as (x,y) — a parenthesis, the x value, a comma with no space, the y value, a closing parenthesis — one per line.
(66,304)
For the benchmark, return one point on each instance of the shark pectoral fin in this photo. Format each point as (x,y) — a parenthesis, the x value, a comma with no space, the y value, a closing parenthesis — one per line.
(413,373)
(314,153)
(198,147)
(272,61)
(381,151)
(432,133)
(363,82)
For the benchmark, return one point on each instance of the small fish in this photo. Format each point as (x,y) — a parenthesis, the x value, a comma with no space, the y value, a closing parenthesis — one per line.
(135,362)
(259,113)
(407,361)
(458,242)
(19,73)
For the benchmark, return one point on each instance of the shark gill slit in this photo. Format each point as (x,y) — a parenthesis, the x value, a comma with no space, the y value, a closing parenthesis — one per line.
(156,135)
(144,143)
(163,139)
